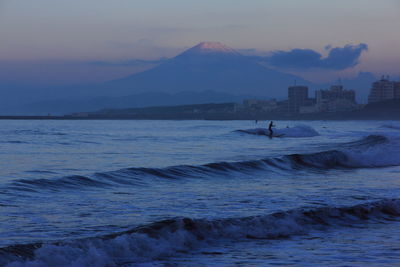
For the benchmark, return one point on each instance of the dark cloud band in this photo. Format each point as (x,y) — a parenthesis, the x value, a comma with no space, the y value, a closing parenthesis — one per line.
(127,63)
(339,58)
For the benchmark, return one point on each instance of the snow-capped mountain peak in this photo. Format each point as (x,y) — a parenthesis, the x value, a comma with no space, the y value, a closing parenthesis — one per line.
(210,47)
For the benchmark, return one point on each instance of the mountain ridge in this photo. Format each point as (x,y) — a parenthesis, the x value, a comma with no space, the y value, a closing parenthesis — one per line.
(205,67)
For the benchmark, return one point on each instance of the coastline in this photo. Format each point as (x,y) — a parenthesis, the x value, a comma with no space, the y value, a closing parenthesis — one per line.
(221,117)
(386,110)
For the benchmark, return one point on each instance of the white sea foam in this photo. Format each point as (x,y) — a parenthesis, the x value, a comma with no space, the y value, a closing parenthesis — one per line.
(296,131)
(371,151)
(381,155)
(391,125)
(167,238)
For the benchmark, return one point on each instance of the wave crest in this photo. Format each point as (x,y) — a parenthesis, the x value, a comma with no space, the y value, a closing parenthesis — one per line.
(296,131)
(371,151)
(169,237)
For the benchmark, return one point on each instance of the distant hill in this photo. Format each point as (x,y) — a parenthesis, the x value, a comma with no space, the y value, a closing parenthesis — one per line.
(385,110)
(68,105)
(197,111)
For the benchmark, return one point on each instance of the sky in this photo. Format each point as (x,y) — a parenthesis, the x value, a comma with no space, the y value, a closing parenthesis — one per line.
(64,37)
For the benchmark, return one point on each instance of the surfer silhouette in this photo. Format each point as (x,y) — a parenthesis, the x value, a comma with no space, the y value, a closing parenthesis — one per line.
(271,124)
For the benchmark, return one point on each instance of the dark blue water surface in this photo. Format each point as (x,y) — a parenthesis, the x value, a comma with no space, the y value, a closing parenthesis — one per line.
(127,193)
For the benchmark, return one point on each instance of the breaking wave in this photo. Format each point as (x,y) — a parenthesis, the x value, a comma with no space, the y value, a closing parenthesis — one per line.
(167,238)
(296,131)
(371,151)
(395,126)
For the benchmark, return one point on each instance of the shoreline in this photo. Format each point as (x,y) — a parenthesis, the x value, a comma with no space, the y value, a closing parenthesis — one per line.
(329,117)
(387,110)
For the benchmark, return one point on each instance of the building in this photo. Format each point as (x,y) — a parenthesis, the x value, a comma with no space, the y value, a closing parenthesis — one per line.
(297,97)
(335,99)
(397,90)
(260,105)
(282,107)
(384,89)
(308,109)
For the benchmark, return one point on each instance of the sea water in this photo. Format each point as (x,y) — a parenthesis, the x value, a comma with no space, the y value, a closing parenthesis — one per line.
(199,193)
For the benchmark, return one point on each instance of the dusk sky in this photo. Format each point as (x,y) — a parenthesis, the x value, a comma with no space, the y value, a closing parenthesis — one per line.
(46,32)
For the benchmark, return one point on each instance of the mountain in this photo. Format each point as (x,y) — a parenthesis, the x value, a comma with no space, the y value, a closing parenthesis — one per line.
(209,72)
(207,66)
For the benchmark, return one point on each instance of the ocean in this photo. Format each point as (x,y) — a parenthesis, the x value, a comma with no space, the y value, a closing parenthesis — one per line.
(199,193)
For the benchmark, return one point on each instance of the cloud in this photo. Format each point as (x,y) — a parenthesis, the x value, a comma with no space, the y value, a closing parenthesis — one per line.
(339,58)
(127,63)
(251,52)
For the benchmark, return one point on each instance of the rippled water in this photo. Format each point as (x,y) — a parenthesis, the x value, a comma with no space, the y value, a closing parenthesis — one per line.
(84,193)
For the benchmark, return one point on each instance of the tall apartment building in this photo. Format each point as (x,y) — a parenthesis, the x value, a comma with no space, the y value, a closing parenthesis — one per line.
(297,97)
(384,89)
(260,105)
(335,99)
(397,90)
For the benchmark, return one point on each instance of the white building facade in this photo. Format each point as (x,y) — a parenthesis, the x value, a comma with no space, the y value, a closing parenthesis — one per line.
(335,99)
(384,89)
